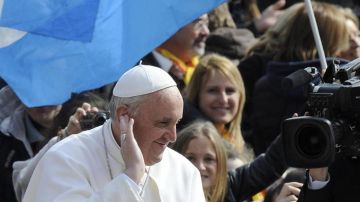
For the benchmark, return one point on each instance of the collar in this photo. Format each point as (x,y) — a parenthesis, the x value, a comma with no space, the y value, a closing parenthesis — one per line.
(114,151)
(164,62)
(112,147)
(186,67)
(180,63)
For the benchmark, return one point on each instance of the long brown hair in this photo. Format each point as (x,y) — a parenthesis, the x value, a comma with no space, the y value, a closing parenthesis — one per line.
(291,38)
(205,128)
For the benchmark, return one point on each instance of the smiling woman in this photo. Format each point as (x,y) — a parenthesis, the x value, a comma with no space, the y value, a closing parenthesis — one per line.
(216,91)
(202,145)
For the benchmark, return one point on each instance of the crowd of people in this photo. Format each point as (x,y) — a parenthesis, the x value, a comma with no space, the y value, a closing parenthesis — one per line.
(198,119)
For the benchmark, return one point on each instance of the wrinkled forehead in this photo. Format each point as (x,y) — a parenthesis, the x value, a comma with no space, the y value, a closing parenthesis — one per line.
(165,103)
(170,96)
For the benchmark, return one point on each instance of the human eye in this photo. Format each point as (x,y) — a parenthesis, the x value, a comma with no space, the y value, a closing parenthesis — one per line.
(230,91)
(212,90)
(209,159)
(162,124)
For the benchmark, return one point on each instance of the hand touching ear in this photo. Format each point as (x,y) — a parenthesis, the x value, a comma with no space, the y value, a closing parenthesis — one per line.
(130,151)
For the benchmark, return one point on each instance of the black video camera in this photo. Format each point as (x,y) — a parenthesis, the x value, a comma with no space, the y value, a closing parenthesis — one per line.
(333,125)
(93,119)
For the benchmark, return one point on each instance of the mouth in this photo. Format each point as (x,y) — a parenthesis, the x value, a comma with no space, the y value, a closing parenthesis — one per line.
(221,109)
(162,144)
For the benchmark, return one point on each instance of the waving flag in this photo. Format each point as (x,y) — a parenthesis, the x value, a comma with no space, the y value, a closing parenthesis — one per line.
(51,48)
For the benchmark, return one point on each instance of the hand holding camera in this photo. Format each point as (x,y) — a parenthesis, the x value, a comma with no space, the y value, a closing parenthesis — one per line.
(93,119)
(83,119)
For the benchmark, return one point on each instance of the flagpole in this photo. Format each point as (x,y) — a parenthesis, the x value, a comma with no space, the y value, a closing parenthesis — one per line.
(316,34)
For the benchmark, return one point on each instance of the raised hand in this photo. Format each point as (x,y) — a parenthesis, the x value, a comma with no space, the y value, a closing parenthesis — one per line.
(269,16)
(131,153)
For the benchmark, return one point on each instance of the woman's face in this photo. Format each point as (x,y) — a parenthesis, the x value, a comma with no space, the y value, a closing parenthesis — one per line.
(353,51)
(201,153)
(219,98)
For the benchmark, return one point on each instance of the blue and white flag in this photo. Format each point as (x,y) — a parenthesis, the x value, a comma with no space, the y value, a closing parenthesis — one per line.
(52,48)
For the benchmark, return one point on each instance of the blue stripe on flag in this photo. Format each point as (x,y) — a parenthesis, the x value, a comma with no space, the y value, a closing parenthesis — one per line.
(44,70)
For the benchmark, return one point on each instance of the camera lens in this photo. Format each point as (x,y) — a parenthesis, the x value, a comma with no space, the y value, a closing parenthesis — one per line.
(311,141)
(100,119)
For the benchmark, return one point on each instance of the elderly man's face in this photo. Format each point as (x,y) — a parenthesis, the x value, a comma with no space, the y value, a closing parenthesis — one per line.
(192,37)
(155,123)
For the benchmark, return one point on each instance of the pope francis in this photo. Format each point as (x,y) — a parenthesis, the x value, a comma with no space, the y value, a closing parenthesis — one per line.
(127,158)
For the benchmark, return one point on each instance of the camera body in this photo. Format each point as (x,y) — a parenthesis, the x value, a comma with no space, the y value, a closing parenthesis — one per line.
(332,127)
(93,119)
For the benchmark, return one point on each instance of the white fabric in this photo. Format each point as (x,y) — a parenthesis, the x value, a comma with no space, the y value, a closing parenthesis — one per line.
(75,169)
(163,61)
(315,185)
(141,80)
(23,170)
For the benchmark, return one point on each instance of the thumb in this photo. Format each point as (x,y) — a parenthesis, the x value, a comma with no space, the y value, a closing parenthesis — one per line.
(278,5)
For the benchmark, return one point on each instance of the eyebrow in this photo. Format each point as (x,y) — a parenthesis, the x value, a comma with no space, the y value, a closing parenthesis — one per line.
(199,19)
(164,119)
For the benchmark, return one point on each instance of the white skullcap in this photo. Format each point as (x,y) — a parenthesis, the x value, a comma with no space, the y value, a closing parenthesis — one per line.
(141,80)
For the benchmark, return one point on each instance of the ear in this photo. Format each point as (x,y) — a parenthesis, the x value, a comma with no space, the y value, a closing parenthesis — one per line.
(120,111)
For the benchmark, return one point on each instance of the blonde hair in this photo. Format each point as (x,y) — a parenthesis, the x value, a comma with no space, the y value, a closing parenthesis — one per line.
(291,38)
(349,14)
(208,65)
(205,128)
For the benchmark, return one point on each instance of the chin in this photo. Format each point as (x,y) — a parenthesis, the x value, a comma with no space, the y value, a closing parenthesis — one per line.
(222,121)
(154,160)
(206,184)
(198,51)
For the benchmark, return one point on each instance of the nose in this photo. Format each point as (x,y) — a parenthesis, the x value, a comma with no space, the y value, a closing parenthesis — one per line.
(355,41)
(222,97)
(171,134)
(204,30)
(200,165)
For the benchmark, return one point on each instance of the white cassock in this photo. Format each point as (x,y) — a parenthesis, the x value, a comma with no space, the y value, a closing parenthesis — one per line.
(76,169)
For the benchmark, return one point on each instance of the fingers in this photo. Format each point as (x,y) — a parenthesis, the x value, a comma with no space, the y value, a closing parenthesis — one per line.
(294,188)
(289,192)
(73,125)
(130,150)
(126,128)
(278,5)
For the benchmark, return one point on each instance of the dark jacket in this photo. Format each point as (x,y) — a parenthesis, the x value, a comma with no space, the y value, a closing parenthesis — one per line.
(11,150)
(344,184)
(251,178)
(252,69)
(190,114)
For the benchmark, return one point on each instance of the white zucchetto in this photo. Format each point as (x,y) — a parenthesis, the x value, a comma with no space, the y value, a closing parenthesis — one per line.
(141,80)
